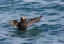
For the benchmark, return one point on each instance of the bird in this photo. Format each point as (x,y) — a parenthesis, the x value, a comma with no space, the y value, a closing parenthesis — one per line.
(23,24)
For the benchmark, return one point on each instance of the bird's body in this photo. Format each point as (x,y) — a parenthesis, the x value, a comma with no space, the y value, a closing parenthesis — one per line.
(22,25)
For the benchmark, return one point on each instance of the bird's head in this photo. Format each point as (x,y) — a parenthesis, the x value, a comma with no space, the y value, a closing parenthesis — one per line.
(23,18)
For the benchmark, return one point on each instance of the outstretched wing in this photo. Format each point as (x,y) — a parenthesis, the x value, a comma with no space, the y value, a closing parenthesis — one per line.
(14,23)
(34,20)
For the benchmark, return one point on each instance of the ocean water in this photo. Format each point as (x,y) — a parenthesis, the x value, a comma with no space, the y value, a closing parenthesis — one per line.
(49,30)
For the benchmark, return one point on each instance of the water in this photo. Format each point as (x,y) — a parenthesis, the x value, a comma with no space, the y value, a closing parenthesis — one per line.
(49,30)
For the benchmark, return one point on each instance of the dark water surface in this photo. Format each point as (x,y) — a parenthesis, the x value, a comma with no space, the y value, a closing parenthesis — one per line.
(49,30)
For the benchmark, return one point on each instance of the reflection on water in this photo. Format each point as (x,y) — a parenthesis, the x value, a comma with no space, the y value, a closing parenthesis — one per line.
(26,34)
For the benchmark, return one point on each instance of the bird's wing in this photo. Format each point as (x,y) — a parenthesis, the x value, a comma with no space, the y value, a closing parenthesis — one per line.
(14,23)
(34,20)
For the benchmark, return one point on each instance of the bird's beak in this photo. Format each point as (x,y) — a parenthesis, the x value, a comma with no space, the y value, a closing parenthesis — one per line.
(24,18)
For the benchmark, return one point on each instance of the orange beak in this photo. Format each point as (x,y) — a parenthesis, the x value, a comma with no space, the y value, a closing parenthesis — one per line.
(25,18)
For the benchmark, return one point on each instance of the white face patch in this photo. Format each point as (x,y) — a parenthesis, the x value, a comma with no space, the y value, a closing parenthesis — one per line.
(23,17)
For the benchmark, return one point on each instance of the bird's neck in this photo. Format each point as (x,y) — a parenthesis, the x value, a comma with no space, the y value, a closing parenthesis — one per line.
(23,20)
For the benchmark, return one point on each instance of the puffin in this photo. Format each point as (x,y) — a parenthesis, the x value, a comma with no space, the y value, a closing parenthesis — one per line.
(23,24)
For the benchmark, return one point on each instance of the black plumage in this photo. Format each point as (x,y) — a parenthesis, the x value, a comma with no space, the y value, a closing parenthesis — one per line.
(22,25)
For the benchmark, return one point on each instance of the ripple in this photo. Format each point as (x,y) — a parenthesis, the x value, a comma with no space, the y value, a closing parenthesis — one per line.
(26,43)
(62,0)
(49,30)
(61,9)
(61,41)
(52,20)
(27,34)
(52,14)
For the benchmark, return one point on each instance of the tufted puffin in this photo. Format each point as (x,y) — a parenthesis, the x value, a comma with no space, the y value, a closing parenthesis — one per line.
(22,25)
